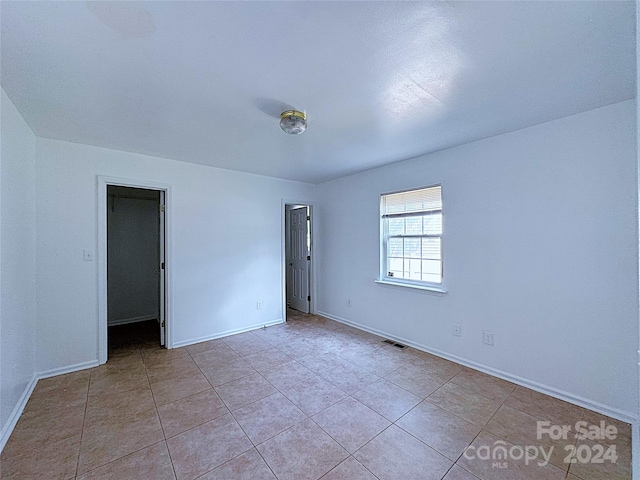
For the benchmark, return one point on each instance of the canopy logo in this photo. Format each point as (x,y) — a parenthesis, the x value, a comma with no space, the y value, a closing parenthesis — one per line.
(499,452)
(586,449)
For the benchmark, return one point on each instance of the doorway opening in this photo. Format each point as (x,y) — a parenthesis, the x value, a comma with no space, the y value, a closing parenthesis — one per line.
(132,273)
(298,257)
(135,257)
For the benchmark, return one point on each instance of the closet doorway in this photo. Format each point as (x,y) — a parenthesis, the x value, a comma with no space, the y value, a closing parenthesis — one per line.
(132,267)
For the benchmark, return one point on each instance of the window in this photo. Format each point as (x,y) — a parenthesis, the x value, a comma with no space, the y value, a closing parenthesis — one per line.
(411,240)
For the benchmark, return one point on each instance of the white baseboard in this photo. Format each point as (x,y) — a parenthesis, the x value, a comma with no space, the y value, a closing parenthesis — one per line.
(67,369)
(125,321)
(8,427)
(192,341)
(622,415)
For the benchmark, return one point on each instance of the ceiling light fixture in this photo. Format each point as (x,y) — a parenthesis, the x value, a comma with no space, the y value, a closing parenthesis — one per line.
(293,122)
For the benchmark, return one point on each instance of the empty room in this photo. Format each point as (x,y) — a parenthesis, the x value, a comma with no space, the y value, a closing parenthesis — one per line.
(319,240)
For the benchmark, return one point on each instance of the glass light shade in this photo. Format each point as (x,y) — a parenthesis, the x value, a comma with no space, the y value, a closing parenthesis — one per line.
(293,122)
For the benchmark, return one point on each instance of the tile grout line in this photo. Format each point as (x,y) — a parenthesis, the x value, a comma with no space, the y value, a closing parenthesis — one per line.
(482,429)
(84,418)
(130,453)
(120,458)
(253,446)
(518,410)
(283,394)
(164,435)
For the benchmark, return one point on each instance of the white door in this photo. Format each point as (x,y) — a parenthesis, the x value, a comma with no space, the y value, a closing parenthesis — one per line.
(299,259)
(163,276)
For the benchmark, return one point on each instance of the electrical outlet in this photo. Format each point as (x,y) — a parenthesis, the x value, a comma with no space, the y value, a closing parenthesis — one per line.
(348,302)
(456,330)
(487,338)
(259,305)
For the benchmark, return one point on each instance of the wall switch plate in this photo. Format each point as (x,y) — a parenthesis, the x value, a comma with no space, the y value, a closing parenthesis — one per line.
(487,338)
(87,255)
(456,330)
(259,305)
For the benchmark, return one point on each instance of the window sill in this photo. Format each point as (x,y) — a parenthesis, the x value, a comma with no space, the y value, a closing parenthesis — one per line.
(426,288)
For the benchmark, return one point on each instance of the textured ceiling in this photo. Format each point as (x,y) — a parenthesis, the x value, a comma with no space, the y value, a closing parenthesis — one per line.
(205,82)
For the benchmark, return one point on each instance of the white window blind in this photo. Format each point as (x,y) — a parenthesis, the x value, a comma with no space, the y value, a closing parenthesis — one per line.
(411,246)
(423,200)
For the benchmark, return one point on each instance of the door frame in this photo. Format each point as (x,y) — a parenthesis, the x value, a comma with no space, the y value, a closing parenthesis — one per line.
(102,183)
(283,254)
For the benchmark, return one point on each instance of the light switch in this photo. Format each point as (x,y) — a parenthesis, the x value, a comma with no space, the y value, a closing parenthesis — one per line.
(87,255)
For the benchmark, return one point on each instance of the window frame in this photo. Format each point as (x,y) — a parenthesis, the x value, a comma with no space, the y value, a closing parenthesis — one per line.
(383,277)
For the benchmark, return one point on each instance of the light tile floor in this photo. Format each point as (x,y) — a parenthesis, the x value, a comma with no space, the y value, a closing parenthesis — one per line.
(308,399)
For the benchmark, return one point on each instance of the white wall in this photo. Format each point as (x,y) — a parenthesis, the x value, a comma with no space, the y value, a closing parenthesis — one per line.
(133,242)
(226,246)
(17,261)
(540,247)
